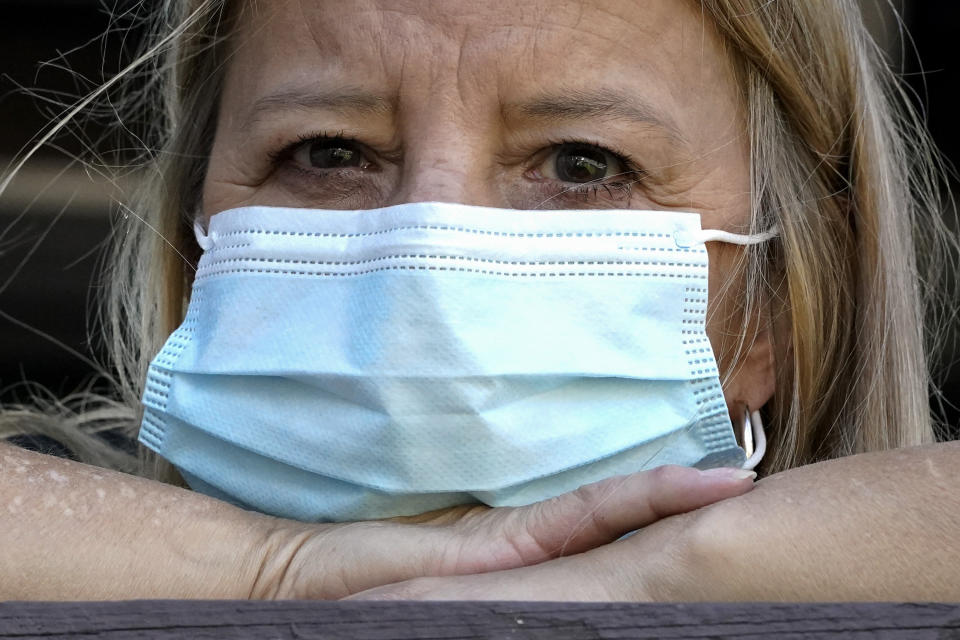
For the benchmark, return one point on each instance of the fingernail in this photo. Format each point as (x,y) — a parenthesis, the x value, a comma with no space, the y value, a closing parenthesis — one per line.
(730,472)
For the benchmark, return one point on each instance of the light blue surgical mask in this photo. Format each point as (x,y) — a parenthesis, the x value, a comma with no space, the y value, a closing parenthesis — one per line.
(348,365)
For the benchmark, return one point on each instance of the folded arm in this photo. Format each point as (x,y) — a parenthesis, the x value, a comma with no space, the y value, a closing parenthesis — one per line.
(879,526)
(70,531)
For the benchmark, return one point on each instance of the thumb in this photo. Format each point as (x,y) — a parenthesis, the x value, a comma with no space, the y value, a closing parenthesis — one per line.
(333,561)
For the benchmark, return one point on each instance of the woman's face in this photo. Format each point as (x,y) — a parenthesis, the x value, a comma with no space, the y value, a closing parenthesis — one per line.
(549,104)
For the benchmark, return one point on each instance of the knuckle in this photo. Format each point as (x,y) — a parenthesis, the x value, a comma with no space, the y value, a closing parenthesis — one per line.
(588,495)
(539,532)
(667,474)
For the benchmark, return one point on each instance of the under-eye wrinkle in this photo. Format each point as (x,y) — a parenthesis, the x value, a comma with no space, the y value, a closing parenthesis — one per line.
(339,170)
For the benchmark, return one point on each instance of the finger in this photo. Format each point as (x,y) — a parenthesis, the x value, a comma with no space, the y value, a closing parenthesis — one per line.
(482,586)
(554,581)
(342,559)
(333,561)
(604,511)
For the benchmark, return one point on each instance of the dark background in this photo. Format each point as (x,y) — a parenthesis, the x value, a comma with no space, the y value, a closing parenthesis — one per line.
(46,288)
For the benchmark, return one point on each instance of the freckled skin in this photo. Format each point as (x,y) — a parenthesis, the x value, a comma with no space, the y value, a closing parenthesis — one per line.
(16,464)
(447,70)
(14,506)
(73,532)
(57,477)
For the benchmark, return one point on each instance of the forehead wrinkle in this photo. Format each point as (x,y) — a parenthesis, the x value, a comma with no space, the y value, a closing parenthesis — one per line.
(601,103)
(342,100)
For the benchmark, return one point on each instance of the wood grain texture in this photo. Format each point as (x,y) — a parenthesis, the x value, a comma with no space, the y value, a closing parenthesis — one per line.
(455,620)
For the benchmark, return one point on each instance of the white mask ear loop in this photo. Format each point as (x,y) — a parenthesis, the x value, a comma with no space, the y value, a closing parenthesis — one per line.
(707,235)
(203,239)
(754,438)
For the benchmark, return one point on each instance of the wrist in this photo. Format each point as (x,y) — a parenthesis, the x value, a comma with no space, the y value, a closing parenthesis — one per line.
(217,552)
(278,554)
(693,555)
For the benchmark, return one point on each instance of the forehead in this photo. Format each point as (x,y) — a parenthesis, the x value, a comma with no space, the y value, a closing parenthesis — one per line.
(483,50)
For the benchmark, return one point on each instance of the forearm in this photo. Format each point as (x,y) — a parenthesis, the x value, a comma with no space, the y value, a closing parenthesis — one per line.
(882,526)
(71,531)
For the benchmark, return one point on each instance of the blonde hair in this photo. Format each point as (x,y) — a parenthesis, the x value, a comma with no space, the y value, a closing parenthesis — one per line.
(840,163)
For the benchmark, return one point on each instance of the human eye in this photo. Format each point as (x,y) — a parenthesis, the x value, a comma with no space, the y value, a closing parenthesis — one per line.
(330,170)
(584,172)
(325,153)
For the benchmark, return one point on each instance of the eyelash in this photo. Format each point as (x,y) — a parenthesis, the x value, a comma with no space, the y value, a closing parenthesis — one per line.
(277,158)
(632,174)
(615,190)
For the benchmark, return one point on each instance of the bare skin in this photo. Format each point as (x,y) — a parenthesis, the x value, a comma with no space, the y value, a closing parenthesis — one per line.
(454,101)
(471,102)
(460,101)
(74,532)
(877,526)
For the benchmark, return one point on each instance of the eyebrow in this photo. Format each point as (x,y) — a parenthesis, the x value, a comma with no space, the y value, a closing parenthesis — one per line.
(600,103)
(343,99)
(569,105)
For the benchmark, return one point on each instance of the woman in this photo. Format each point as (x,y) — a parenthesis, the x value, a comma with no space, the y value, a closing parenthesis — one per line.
(709,107)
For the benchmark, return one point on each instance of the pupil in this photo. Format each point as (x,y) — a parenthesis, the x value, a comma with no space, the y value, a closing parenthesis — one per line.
(333,156)
(581,164)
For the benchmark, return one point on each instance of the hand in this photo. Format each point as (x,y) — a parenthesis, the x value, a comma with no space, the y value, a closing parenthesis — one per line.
(635,569)
(868,527)
(335,561)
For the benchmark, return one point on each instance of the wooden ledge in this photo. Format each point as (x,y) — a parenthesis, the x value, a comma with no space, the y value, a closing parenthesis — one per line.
(240,620)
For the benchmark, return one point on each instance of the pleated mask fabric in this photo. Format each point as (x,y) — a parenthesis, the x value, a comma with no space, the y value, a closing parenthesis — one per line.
(354,365)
